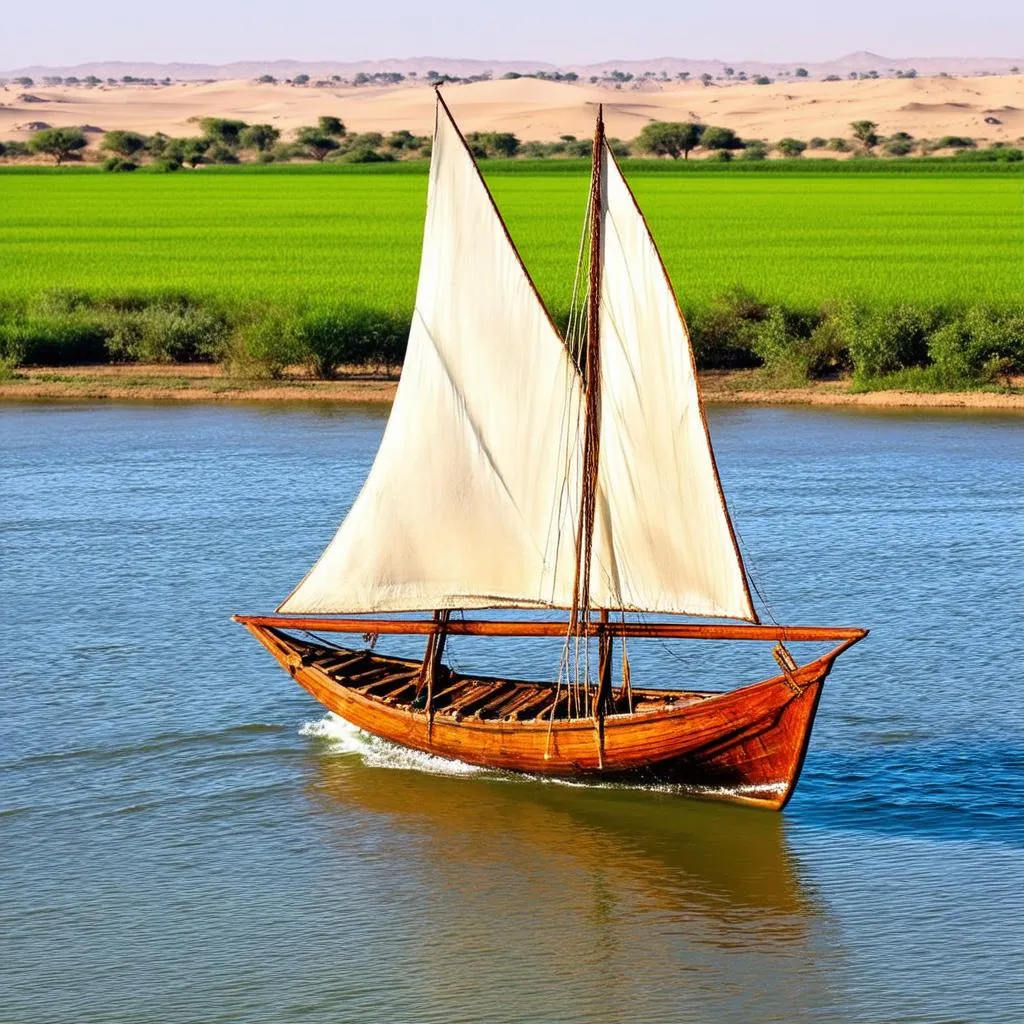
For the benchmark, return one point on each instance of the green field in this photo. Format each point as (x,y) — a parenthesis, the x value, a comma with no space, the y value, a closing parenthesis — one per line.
(795,239)
(881,272)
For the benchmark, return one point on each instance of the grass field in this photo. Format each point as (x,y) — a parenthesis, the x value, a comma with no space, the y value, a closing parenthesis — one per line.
(795,239)
(251,242)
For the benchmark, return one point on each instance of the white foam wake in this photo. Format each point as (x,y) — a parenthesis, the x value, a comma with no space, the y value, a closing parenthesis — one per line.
(345,738)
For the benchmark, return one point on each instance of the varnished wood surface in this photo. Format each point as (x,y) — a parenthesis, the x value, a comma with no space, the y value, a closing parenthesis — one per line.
(745,746)
(496,627)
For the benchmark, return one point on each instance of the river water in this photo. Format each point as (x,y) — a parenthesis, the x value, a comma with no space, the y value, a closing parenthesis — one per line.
(186,836)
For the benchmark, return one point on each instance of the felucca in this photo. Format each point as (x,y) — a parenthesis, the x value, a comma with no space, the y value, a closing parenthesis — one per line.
(521,469)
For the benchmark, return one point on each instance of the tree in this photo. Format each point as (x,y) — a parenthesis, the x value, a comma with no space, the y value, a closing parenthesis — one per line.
(157,143)
(190,151)
(317,144)
(24,81)
(865,132)
(403,139)
(683,75)
(60,143)
(800,72)
(838,145)
(223,129)
(301,79)
(332,126)
(267,80)
(707,78)
(124,144)
(720,138)
(754,149)
(791,147)
(762,80)
(494,144)
(669,138)
(729,72)
(261,137)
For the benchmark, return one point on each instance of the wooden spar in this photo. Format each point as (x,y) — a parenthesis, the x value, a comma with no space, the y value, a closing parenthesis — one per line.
(557,628)
(592,394)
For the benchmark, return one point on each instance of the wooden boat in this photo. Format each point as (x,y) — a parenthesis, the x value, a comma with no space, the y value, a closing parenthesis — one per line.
(524,469)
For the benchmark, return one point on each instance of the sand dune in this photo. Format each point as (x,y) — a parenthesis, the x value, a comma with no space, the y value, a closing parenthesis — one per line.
(534,109)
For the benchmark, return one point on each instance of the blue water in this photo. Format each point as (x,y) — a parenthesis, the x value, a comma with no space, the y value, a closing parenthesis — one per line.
(186,836)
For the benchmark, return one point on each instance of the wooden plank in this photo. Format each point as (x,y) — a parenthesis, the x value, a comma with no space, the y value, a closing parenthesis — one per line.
(484,627)
(477,692)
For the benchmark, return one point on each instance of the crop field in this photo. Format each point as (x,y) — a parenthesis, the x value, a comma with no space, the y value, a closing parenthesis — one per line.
(285,238)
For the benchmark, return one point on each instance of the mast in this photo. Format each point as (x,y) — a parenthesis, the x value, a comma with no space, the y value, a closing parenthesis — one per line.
(592,393)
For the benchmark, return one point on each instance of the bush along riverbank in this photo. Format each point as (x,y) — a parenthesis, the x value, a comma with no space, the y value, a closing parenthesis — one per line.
(905,346)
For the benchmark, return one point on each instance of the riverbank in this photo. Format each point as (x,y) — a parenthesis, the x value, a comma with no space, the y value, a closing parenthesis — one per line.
(210,383)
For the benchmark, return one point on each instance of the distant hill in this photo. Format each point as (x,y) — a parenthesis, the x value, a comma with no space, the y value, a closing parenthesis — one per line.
(862,62)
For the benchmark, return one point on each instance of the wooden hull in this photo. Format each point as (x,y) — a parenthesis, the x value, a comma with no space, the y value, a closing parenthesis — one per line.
(746,746)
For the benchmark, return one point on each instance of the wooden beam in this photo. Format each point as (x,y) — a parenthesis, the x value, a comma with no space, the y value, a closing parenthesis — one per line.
(541,628)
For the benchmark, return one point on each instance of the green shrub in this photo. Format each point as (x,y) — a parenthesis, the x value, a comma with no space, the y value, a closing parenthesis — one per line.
(722,333)
(165,166)
(898,147)
(167,333)
(54,340)
(885,339)
(119,164)
(791,345)
(978,346)
(330,336)
(264,345)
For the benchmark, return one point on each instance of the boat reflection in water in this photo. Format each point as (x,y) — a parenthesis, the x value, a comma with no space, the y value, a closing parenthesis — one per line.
(598,903)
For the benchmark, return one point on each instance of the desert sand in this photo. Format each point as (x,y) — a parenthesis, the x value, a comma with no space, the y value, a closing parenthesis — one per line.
(542,110)
(208,383)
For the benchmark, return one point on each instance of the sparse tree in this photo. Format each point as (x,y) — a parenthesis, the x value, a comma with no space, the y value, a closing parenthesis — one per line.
(191,151)
(838,145)
(729,72)
(157,143)
(493,144)
(707,78)
(332,126)
(25,82)
(791,147)
(124,144)
(225,130)
(817,142)
(261,137)
(683,75)
(865,132)
(60,143)
(318,144)
(669,138)
(720,138)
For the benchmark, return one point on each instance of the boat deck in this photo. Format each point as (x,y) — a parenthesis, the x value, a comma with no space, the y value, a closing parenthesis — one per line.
(394,682)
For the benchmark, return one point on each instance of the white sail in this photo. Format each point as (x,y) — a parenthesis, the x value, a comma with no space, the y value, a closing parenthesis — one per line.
(663,541)
(472,499)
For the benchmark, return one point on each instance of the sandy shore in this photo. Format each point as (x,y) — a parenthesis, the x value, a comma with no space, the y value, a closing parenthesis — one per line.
(989,109)
(205,383)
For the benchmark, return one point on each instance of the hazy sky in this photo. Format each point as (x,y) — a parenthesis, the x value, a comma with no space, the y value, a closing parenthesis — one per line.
(73,31)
